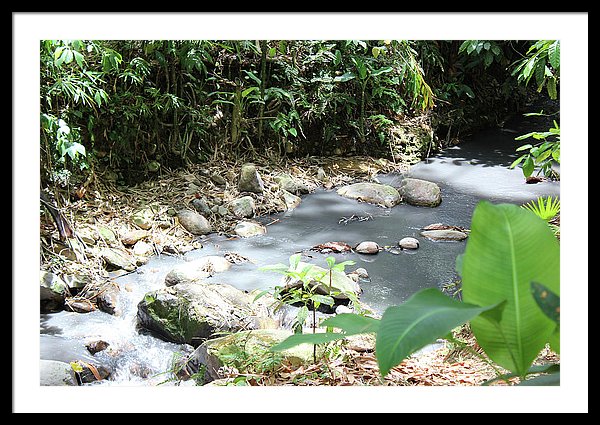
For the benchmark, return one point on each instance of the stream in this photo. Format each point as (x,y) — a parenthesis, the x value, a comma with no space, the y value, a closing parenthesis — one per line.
(475,170)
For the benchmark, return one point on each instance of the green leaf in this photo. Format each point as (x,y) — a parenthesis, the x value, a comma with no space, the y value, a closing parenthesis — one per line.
(78,58)
(542,380)
(528,166)
(524,147)
(322,299)
(517,161)
(293,131)
(508,248)
(488,58)
(316,338)
(383,70)
(338,58)
(294,260)
(551,87)
(352,324)
(248,91)
(548,368)
(547,300)
(420,320)
(554,55)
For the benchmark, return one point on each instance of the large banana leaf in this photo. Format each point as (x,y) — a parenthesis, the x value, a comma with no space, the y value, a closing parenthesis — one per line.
(508,248)
(425,316)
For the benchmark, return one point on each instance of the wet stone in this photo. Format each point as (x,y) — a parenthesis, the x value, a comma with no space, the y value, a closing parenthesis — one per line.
(367,247)
(408,243)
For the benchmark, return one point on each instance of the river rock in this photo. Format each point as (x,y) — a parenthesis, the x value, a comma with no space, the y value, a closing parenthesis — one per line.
(55,373)
(193,222)
(143,218)
(52,292)
(361,343)
(143,249)
(373,193)
(88,235)
(444,235)
(292,185)
(218,180)
(341,309)
(408,243)
(361,273)
(250,180)
(342,287)
(291,201)
(130,238)
(367,247)
(248,229)
(107,235)
(243,207)
(420,192)
(191,313)
(218,352)
(108,298)
(96,346)
(321,176)
(197,270)
(118,258)
(201,206)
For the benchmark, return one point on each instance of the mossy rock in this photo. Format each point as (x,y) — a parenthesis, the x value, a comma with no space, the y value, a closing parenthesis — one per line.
(248,351)
(373,193)
(193,312)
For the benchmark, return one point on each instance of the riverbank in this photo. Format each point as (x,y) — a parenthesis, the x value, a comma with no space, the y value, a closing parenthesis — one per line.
(113,212)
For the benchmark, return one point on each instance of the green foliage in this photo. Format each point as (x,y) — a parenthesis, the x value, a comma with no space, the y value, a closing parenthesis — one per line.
(541,62)
(130,102)
(425,316)
(510,277)
(482,52)
(509,248)
(541,154)
(546,209)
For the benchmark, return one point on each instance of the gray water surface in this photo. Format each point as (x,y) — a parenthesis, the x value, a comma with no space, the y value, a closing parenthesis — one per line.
(476,170)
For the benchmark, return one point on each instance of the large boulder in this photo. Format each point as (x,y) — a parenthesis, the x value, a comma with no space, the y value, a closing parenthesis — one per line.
(373,193)
(250,180)
(197,270)
(192,313)
(233,350)
(420,192)
(193,222)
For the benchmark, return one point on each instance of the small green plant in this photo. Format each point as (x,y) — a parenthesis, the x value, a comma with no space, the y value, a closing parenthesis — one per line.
(541,154)
(304,285)
(546,209)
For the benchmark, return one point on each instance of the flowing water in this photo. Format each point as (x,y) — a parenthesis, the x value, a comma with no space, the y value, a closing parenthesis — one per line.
(476,170)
